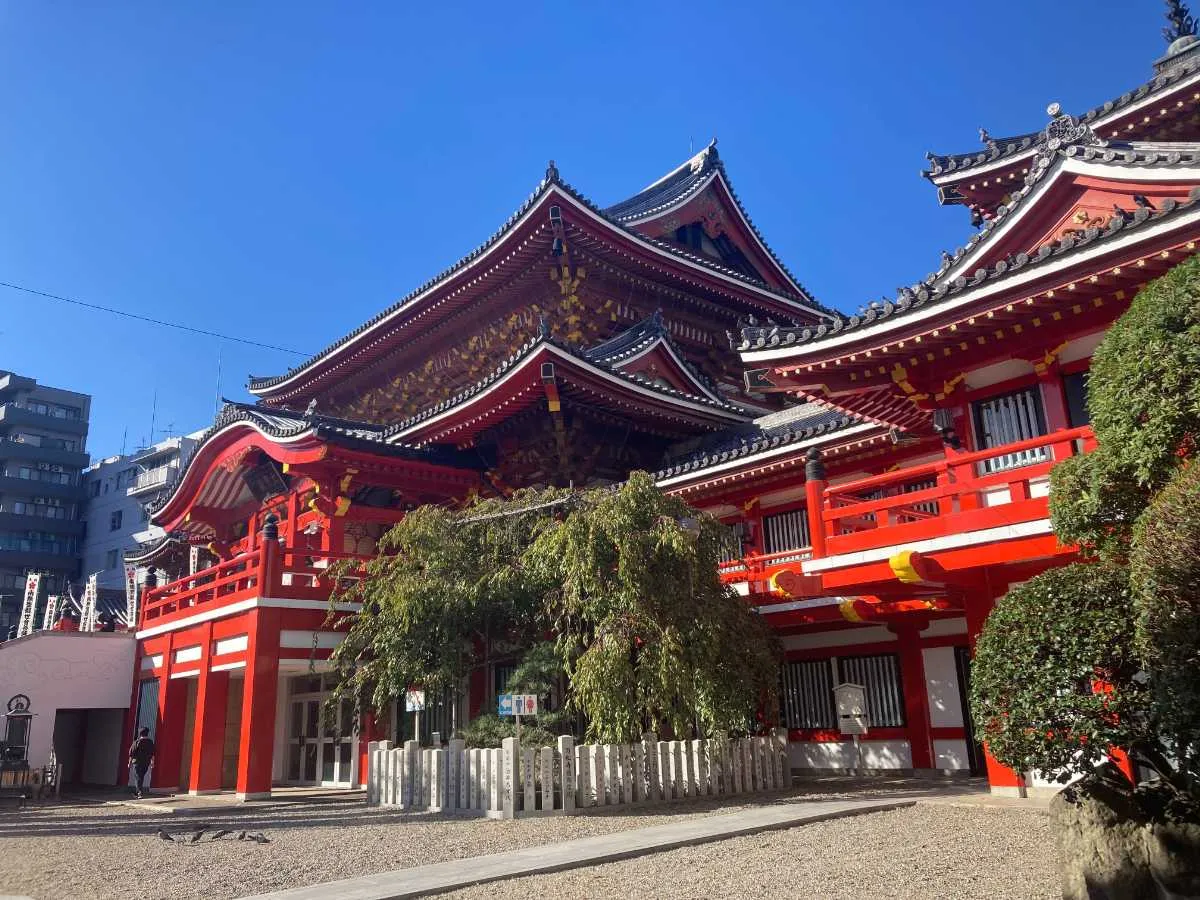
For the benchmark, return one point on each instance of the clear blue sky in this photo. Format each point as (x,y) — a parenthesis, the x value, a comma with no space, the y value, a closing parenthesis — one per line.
(282,171)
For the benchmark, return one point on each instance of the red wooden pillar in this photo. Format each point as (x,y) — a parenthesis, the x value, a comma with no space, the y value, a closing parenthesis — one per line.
(208,732)
(1054,399)
(916,693)
(1001,779)
(370,731)
(168,732)
(814,494)
(260,689)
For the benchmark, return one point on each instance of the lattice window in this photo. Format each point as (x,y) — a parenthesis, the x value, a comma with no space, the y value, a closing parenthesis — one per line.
(880,675)
(786,531)
(808,694)
(1007,419)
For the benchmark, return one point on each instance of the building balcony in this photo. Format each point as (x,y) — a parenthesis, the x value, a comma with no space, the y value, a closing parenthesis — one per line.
(20,451)
(12,415)
(924,526)
(15,488)
(267,571)
(151,480)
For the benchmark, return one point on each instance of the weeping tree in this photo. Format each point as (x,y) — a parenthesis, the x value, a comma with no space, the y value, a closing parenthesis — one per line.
(613,590)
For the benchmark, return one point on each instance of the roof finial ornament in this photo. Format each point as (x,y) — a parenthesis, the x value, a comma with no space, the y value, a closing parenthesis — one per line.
(311,409)
(551,171)
(986,138)
(543,327)
(1181,23)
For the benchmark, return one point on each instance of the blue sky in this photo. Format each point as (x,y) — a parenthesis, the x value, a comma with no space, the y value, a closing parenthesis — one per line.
(282,171)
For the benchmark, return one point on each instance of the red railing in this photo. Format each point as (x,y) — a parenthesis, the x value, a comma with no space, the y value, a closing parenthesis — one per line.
(962,492)
(268,571)
(965,491)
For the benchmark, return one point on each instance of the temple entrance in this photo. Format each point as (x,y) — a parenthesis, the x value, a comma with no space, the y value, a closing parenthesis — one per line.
(319,752)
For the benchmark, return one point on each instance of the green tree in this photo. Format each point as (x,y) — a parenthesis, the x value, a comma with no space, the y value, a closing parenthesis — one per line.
(624,581)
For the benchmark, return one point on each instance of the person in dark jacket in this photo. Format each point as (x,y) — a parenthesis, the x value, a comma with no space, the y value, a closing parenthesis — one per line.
(141,754)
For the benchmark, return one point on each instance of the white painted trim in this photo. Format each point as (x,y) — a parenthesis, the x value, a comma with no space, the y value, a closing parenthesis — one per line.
(207,616)
(243,606)
(225,667)
(532,359)
(231,645)
(812,603)
(944,628)
(968,296)
(152,662)
(756,458)
(841,637)
(294,639)
(190,673)
(188,654)
(945,542)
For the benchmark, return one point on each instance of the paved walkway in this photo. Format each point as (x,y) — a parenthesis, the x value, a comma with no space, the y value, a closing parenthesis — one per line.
(422,880)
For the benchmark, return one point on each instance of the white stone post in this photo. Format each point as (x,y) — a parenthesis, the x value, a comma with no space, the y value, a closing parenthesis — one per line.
(496,780)
(453,772)
(678,771)
(465,773)
(628,775)
(437,783)
(747,766)
(509,777)
(699,760)
(583,776)
(735,752)
(783,768)
(410,785)
(653,780)
(528,781)
(612,775)
(638,770)
(546,774)
(760,753)
(566,760)
(474,758)
(597,785)
(667,789)
(373,773)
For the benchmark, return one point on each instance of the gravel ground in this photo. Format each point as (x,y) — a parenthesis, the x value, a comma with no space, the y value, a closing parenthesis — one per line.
(109,851)
(927,851)
(102,851)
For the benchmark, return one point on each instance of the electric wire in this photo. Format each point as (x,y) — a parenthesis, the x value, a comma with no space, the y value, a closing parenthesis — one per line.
(161,322)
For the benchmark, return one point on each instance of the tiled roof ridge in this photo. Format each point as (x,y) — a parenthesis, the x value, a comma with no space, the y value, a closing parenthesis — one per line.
(526,350)
(938,285)
(266,419)
(710,163)
(552,178)
(648,330)
(747,445)
(1001,148)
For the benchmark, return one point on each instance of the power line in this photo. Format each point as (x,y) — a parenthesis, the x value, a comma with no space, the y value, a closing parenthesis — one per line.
(162,322)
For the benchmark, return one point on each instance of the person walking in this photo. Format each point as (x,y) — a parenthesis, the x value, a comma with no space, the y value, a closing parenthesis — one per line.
(141,754)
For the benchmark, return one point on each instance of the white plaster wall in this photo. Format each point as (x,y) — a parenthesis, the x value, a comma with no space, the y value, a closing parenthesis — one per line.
(944,628)
(66,670)
(840,755)
(844,637)
(941,683)
(951,754)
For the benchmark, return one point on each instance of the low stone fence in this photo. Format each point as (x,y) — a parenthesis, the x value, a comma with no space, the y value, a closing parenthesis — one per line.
(512,782)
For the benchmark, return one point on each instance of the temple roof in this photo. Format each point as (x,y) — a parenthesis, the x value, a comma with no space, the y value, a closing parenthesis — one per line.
(633,342)
(777,430)
(955,277)
(1173,74)
(288,426)
(694,406)
(683,183)
(753,291)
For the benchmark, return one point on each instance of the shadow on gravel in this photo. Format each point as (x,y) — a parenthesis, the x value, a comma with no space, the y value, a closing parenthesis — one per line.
(57,820)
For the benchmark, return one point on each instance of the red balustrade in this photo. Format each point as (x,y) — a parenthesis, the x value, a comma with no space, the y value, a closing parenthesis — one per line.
(268,571)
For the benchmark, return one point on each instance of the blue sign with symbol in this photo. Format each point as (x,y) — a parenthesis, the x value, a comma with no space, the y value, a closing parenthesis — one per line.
(506,704)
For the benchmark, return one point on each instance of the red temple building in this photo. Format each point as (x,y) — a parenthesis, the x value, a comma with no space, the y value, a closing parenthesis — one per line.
(886,473)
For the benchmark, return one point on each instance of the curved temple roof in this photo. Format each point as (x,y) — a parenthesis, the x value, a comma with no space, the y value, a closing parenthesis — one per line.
(802,304)
(943,166)
(951,280)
